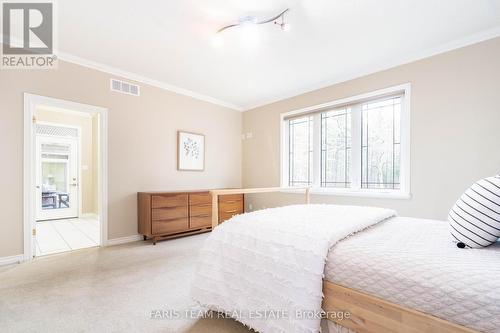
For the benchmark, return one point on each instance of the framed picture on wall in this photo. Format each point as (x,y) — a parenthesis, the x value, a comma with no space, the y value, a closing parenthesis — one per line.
(190,151)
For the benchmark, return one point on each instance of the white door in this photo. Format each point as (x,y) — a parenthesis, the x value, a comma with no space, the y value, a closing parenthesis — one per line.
(57,177)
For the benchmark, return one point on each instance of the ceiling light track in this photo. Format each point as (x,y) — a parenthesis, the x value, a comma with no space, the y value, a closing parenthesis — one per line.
(277,19)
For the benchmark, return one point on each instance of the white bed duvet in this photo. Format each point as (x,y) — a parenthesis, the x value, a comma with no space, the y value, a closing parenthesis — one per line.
(265,268)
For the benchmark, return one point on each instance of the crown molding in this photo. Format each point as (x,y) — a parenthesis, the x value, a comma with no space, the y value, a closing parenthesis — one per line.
(450,46)
(67,57)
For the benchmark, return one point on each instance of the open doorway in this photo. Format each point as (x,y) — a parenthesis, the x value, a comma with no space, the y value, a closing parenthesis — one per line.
(64,176)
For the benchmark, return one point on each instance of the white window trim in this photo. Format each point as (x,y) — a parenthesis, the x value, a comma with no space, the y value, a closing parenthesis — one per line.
(403,193)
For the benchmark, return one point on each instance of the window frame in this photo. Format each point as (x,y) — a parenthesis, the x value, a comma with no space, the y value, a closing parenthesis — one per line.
(289,152)
(403,193)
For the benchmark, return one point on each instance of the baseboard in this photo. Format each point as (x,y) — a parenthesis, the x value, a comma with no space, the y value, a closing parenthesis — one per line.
(123,240)
(90,216)
(11,260)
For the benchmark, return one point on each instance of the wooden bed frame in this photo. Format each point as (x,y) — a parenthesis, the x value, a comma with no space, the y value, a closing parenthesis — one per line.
(367,314)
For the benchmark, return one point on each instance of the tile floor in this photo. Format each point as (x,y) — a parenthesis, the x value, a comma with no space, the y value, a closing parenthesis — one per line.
(65,235)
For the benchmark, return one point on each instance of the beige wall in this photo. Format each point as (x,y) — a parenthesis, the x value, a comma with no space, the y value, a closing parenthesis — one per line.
(455,138)
(88,146)
(141,143)
(455,135)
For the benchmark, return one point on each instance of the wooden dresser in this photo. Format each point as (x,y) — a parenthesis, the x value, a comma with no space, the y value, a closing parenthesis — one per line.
(164,215)
(230,205)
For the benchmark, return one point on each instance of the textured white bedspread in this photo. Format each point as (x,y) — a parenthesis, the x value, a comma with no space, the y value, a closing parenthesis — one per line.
(266,267)
(413,262)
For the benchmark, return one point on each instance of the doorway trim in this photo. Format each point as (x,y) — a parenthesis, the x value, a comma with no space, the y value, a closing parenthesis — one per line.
(31,101)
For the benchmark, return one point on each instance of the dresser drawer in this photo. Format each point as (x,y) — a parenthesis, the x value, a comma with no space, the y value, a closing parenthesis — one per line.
(169,213)
(200,221)
(201,210)
(169,226)
(226,216)
(230,198)
(234,207)
(165,201)
(200,199)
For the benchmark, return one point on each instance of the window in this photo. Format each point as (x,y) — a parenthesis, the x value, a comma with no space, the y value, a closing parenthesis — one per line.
(380,147)
(335,148)
(356,146)
(300,151)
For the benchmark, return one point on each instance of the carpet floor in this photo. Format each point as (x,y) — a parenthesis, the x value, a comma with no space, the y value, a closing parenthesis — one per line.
(111,289)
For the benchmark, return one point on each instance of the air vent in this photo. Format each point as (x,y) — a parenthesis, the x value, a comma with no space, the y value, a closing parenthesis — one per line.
(125,87)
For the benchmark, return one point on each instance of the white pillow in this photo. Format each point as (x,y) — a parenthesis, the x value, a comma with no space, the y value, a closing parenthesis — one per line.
(475,217)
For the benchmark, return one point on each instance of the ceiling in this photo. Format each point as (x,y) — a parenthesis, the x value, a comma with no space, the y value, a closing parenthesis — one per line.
(170,43)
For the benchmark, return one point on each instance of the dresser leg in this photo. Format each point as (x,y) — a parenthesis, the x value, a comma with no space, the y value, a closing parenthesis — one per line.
(145,237)
(154,240)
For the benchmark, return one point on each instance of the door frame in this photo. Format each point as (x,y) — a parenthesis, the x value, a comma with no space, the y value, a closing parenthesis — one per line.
(31,101)
(79,156)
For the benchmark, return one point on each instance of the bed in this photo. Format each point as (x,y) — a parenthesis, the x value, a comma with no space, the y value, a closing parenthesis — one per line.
(392,274)
(412,263)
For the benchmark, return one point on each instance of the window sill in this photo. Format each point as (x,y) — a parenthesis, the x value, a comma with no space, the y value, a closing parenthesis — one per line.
(356,193)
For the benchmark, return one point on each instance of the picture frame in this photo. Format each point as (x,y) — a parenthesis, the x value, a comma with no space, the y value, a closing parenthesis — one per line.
(190,151)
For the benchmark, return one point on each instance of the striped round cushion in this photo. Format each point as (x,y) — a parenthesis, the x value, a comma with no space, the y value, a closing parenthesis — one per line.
(475,218)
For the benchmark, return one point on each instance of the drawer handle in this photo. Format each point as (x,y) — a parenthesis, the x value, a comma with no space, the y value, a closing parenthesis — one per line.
(233,211)
(204,215)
